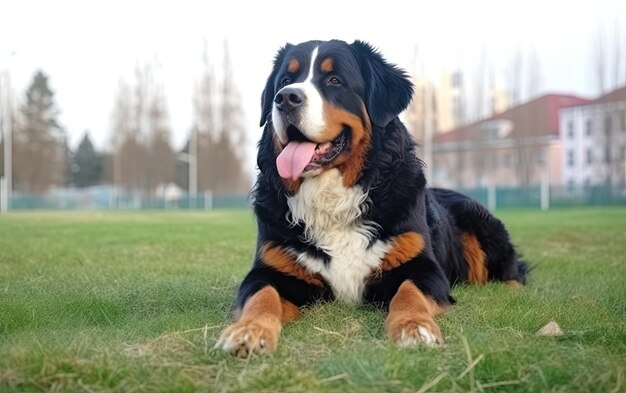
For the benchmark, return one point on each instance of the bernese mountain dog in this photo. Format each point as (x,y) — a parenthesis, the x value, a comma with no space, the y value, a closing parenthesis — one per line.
(343,208)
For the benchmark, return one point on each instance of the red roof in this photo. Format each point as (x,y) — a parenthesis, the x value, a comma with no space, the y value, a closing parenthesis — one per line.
(533,118)
(614,96)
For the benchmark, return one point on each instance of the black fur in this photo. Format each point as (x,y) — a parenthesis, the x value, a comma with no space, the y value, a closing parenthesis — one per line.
(399,199)
(386,90)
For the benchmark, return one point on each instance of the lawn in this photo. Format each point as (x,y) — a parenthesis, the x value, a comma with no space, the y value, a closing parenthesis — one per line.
(129,302)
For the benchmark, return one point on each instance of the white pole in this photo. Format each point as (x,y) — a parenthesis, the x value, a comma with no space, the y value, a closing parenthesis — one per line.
(3,195)
(8,140)
(545,191)
(208,200)
(491,197)
(193,168)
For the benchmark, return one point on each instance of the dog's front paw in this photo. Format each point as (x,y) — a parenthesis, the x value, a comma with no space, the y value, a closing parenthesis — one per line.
(244,337)
(411,331)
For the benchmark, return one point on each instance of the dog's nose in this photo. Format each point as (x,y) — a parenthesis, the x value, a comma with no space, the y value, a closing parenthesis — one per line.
(289,98)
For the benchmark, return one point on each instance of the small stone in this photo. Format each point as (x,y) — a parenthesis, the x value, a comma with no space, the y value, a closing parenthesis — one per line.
(551,329)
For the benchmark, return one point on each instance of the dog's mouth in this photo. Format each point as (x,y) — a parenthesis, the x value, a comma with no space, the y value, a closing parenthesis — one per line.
(301,155)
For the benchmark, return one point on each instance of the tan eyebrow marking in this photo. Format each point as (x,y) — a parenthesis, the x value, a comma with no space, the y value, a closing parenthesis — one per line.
(327,65)
(293,66)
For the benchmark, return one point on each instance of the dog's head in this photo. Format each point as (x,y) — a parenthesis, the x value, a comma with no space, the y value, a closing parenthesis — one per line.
(321,100)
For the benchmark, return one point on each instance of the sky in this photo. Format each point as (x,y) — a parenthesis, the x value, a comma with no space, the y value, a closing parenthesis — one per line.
(86,47)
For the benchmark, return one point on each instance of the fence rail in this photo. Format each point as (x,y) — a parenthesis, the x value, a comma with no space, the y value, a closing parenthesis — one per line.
(494,198)
(553,196)
(80,201)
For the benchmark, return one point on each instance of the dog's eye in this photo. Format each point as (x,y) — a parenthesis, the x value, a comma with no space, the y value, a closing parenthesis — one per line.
(285,81)
(334,81)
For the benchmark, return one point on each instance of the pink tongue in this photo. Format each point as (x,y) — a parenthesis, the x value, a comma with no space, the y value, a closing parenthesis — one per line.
(294,158)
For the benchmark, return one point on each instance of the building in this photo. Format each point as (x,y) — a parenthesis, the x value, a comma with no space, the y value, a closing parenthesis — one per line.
(438,108)
(420,118)
(514,148)
(593,136)
(450,101)
(498,100)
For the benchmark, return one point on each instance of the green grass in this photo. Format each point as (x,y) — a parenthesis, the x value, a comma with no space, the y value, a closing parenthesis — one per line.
(134,302)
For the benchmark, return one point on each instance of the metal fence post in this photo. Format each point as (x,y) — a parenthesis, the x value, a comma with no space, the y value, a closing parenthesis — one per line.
(545,191)
(3,195)
(208,200)
(491,197)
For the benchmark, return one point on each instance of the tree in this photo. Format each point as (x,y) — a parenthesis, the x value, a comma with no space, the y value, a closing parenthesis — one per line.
(6,98)
(126,149)
(181,172)
(39,153)
(232,138)
(608,58)
(203,131)
(609,71)
(218,131)
(87,164)
(523,79)
(161,160)
(481,82)
(534,77)
(514,76)
(619,57)
(142,157)
(68,161)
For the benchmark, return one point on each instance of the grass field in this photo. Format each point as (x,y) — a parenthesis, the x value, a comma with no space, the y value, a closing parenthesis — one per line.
(135,301)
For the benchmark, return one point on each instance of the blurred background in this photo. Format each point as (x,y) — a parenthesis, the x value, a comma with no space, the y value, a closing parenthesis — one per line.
(150,105)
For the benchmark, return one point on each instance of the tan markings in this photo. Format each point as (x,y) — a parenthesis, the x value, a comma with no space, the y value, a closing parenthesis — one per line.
(513,284)
(293,66)
(409,312)
(290,311)
(258,327)
(335,119)
(361,143)
(350,164)
(404,247)
(264,303)
(292,186)
(475,259)
(280,260)
(327,65)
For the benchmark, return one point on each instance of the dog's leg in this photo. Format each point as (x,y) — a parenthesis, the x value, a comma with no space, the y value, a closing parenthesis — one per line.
(259,324)
(411,318)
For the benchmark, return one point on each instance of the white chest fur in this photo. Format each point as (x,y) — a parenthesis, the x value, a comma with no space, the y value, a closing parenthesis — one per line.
(332,214)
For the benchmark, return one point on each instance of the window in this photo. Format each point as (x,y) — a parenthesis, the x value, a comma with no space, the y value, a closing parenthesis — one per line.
(607,124)
(570,158)
(588,130)
(570,129)
(589,156)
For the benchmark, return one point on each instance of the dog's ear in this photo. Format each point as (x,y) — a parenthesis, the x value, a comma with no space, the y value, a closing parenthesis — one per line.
(267,97)
(388,90)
